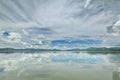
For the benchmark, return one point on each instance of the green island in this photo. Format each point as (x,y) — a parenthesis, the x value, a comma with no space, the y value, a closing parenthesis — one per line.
(91,50)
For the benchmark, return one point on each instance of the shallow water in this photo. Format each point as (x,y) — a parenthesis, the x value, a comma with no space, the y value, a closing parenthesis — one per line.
(59,66)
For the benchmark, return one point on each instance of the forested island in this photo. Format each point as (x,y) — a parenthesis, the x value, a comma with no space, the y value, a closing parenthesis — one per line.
(89,50)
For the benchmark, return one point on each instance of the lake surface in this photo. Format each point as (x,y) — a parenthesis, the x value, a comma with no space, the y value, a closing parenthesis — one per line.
(61,65)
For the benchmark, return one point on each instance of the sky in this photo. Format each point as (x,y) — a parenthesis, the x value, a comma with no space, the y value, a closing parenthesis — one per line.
(59,23)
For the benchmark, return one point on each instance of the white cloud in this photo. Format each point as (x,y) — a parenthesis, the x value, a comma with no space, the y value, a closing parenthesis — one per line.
(15,37)
(12,38)
(87,3)
(116,27)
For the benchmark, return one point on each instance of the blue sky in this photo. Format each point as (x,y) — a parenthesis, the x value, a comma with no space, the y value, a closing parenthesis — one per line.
(74,43)
(59,23)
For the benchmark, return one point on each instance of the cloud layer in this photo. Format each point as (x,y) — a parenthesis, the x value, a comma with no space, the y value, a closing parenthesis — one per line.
(37,23)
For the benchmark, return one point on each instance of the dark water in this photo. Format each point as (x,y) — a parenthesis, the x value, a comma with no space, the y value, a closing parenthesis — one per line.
(59,66)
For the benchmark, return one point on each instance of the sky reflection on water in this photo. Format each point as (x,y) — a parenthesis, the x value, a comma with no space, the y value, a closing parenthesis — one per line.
(50,64)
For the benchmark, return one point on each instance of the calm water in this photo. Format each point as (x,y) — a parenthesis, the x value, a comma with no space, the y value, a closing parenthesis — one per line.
(59,66)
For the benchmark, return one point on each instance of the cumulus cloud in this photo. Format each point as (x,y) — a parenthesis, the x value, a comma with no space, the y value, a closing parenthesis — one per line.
(11,37)
(114,29)
(14,37)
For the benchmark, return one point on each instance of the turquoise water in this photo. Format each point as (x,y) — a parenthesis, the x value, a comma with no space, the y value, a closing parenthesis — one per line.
(59,66)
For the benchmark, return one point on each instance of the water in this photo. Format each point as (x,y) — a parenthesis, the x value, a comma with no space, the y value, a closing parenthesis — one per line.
(59,66)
